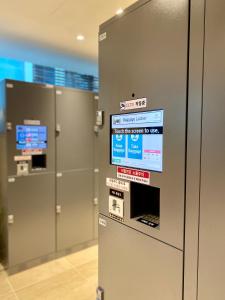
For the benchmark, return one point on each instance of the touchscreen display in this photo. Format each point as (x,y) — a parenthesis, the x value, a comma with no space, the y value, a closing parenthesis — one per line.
(31,137)
(137,140)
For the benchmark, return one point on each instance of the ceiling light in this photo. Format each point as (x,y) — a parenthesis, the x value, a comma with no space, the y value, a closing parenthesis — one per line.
(80,37)
(119,11)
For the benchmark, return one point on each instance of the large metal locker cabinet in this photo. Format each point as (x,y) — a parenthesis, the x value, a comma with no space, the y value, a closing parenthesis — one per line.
(211,272)
(47,196)
(172,53)
(30,200)
(144,54)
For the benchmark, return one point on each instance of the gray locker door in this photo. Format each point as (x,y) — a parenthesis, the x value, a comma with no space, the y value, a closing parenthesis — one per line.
(26,101)
(96,175)
(31,199)
(75,222)
(75,162)
(133,266)
(145,54)
(212,205)
(32,235)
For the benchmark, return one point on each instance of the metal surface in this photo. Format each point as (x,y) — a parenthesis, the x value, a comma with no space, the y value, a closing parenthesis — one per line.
(75,162)
(27,202)
(133,266)
(3,176)
(96,171)
(2,108)
(128,10)
(33,102)
(75,143)
(132,62)
(145,55)
(31,200)
(156,68)
(211,235)
(193,148)
(3,200)
(75,222)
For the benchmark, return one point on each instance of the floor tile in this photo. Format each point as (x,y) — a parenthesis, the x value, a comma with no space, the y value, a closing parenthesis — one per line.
(83,257)
(39,273)
(84,292)
(5,287)
(73,277)
(62,286)
(89,269)
(10,296)
(1,268)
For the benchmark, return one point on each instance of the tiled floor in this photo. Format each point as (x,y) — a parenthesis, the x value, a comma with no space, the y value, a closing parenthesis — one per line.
(73,277)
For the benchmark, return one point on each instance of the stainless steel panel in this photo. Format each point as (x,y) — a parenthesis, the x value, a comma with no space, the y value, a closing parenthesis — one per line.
(31,200)
(96,173)
(3,199)
(75,160)
(2,108)
(75,143)
(75,196)
(26,101)
(145,53)
(193,149)
(133,266)
(211,239)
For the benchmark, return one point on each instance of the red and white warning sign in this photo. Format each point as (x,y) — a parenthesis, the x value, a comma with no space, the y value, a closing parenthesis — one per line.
(133,175)
(32,151)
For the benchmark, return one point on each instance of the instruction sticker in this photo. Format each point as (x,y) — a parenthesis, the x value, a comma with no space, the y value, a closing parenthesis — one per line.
(102,36)
(32,152)
(102,222)
(22,158)
(116,193)
(32,122)
(118,184)
(133,104)
(133,175)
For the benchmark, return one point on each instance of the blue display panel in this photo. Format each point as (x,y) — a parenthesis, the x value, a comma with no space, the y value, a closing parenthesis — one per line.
(137,140)
(30,137)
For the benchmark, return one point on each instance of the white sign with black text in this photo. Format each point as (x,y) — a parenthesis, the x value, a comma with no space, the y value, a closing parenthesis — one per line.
(118,184)
(133,104)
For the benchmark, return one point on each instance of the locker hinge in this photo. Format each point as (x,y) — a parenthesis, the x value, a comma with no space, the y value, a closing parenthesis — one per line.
(96,129)
(58,128)
(58,209)
(11,180)
(99,294)
(9,86)
(10,219)
(95,201)
(102,36)
(9,126)
(49,86)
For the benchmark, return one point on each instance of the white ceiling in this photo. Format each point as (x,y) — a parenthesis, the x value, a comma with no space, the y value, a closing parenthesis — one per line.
(56,23)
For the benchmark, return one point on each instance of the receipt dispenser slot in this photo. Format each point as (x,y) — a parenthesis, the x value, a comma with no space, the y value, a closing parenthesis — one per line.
(145,204)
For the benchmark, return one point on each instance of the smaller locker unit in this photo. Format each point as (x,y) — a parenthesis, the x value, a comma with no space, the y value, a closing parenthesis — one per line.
(75,167)
(46,189)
